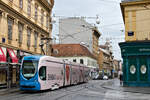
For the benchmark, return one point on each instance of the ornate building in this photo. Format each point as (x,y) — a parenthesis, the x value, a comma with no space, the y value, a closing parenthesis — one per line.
(22,25)
(136,50)
(105,60)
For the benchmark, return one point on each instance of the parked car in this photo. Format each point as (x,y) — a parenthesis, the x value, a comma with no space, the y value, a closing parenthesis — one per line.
(105,77)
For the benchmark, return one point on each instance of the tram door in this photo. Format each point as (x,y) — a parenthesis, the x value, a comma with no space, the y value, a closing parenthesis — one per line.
(132,69)
(143,68)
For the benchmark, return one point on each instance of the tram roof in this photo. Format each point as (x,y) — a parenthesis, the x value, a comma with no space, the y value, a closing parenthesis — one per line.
(33,57)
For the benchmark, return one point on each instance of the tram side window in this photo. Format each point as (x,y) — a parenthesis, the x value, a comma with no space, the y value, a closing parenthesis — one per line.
(42,73)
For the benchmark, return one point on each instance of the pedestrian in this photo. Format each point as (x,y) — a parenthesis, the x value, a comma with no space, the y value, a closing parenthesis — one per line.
(121,77)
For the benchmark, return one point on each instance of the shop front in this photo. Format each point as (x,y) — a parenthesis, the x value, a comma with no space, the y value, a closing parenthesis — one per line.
(3,69)
(136,63)
(9,68)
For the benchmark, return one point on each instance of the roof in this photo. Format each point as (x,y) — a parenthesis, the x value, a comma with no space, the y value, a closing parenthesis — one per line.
(130,0)
(32,57)
(70,50)
(104,51)
(103,46)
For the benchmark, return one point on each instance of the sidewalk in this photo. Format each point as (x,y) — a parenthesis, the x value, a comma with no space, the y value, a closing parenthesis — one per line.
(114,84)
(7,91)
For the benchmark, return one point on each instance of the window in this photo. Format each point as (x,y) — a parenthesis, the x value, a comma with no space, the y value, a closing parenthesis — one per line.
(35,39)
(47,21)
(28,36)
(81,61)
(88,62)
(42,16)
(1,13)
(29,8)
(42,73)
(130,33)
(21,4)
(29,68)
(10,27)
(20,31)
(74,60)
(36,11)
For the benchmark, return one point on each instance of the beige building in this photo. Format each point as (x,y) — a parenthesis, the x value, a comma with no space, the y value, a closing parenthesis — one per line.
(116,66)
(22,25)
(137,19)
(78,31)
(105,60)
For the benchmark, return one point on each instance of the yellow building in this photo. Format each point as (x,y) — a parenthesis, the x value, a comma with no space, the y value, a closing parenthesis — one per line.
(105,60)
(136,15)
(95,35)
(22,25)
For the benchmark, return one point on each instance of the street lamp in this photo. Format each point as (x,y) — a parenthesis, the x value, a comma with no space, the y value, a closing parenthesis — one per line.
(48,44)
(97,19)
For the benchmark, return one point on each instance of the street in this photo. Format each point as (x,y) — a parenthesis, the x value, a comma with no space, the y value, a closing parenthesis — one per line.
(93,90)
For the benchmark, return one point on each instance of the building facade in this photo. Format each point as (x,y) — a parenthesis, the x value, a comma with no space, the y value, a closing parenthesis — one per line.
(78,31)
(22,25)
(137,19)
(76,53)
(135,51)
(117,67)
(105,60)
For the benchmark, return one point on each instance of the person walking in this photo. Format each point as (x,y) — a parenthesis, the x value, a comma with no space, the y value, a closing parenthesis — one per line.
(121,77)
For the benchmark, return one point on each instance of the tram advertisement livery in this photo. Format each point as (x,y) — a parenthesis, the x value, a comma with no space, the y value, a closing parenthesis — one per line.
(46,72)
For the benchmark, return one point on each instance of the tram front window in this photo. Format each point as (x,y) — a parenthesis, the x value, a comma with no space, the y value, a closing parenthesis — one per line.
(29,69)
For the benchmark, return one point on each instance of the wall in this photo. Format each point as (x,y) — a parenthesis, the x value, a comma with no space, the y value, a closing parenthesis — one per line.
(20,15)
(75,31)
(90,62)
(137,19)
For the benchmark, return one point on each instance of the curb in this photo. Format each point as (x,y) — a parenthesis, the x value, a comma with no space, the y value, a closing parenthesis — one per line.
(121,89)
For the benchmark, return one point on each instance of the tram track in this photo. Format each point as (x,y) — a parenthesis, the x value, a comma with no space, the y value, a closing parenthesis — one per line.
(66,91)
(56,94)
(87,86)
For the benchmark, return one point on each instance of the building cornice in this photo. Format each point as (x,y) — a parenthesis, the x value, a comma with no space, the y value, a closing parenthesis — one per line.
(46,4)
(135,3)
(16,48)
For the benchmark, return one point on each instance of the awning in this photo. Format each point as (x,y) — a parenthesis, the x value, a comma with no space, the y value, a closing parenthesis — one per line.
(12,55)
(2,56)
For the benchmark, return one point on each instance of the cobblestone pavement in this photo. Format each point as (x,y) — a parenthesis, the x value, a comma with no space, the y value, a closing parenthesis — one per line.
(93,90)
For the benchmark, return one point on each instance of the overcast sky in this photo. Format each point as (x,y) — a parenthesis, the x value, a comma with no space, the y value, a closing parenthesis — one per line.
(111,22)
